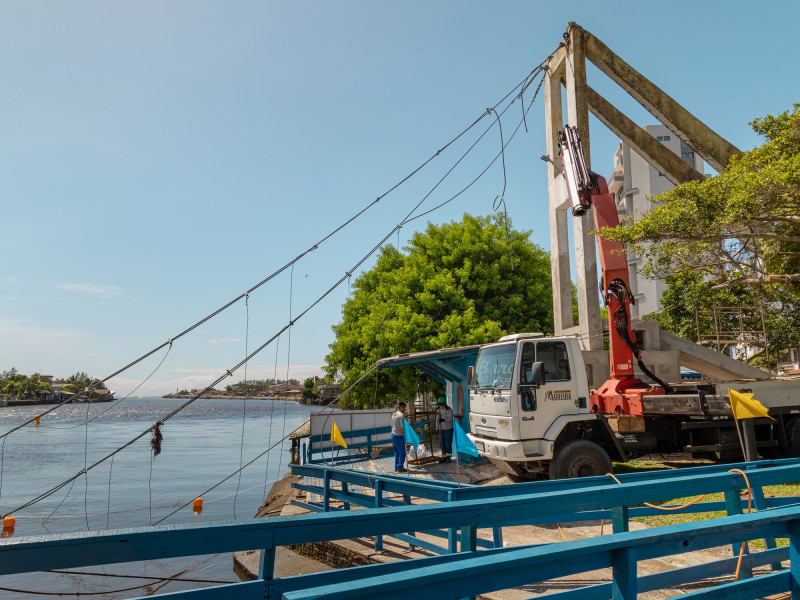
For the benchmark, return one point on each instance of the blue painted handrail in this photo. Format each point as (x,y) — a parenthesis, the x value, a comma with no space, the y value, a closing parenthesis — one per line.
(498,570)
(463,573)
(318,444)
(445,491)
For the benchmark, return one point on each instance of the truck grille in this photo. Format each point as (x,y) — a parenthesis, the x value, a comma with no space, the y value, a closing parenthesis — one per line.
(487,431)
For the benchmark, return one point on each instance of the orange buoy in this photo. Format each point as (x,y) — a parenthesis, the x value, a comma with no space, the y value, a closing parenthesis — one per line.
(36,421)
(197,506)
(8,522)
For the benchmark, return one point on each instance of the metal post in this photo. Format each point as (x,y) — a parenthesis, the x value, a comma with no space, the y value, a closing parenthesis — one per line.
(750,444)
(498,536)
(452,533)
(469,538)
(266,566)
(760,503)
(619,518)
(378,504)
(733,505)
(346,490)
(623,574)
(794,558)
(326,490)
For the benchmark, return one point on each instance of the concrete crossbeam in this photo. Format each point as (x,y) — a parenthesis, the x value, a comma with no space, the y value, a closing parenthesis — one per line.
(675,169)
(714,149)
(709,362)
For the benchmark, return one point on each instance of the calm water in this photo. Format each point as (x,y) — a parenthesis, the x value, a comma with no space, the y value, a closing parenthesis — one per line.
(201,446)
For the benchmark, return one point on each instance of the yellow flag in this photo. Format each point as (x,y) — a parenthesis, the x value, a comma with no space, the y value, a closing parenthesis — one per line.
(336,436)
(744,406)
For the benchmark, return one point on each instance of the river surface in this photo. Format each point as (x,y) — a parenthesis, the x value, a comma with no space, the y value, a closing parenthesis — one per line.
(201,445)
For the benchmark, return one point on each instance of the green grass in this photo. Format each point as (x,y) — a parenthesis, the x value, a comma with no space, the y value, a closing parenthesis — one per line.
(668,518)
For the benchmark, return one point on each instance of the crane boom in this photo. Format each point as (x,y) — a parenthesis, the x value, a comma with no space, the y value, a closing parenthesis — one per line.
(589,190)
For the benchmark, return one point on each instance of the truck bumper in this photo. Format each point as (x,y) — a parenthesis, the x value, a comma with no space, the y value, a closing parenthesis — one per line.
(529,450)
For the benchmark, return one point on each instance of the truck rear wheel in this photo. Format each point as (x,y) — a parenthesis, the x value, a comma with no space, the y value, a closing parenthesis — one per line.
(793,438)
(580,458)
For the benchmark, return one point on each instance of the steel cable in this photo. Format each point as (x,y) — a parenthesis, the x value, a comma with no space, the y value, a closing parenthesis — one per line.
(280,270)
(286,327)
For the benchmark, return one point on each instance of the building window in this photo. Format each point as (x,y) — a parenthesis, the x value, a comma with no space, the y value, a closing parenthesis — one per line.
(687,154)
(662,138)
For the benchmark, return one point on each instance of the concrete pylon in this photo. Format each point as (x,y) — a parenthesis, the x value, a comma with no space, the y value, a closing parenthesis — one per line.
(567,68)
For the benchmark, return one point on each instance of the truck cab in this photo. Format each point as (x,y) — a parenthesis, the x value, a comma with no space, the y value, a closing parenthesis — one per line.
(526,391)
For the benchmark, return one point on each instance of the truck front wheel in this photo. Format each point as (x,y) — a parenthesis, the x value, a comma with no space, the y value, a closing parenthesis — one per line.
(580,458)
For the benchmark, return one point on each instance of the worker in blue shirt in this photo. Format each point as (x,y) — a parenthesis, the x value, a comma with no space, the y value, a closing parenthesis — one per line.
(398,438)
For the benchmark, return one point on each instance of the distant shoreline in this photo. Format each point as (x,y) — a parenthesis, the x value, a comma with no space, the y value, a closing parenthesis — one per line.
(229,397)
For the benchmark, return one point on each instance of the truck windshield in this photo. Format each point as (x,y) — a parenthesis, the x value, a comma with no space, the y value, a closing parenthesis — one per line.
(495,366)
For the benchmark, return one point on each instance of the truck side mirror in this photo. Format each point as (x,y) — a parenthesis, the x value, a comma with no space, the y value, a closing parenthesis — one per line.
(537,374)
(470,374)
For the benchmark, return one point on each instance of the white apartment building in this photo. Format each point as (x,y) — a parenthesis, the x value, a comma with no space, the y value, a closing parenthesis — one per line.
(632,182)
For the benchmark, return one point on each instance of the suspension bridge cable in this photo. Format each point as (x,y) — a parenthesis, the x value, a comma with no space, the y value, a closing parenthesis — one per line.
(288,363)
(244,400)
(228,373)
(498,155)
(532,74)
(286,327)
(258,456)
(271,276)
(271,412)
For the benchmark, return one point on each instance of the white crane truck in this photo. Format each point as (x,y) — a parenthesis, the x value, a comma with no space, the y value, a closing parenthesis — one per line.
(531,410)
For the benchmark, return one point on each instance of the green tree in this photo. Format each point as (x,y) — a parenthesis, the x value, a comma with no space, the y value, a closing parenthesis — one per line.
(731,240)
(741,227)
(310,389)
(79,381)
(24,387)
(690,299)
(459,283)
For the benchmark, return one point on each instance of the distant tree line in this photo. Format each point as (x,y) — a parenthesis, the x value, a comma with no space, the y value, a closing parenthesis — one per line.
(254,386)
(27,387)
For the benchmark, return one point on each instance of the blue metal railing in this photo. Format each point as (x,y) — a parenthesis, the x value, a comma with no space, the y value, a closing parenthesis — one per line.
(409,489)
(494,570)
(471,571)
(318,444)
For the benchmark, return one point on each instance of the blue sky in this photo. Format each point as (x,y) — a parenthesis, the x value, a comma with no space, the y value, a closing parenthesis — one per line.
(158,159)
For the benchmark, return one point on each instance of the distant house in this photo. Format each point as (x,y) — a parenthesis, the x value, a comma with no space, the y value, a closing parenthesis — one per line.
(285,389)
(329,392)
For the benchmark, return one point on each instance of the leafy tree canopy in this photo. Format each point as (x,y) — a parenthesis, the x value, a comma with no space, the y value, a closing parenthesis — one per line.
(78,382)
(455,284)
(25,387)
(691,305)
(741,227)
